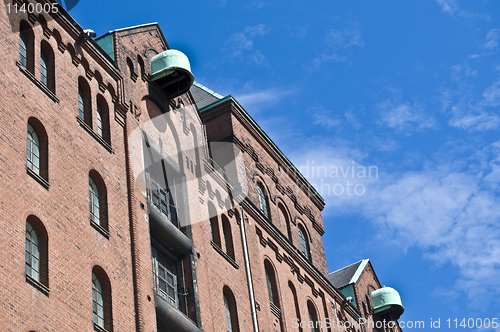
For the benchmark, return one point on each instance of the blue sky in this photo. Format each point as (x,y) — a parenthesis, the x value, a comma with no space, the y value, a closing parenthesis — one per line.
(409,87)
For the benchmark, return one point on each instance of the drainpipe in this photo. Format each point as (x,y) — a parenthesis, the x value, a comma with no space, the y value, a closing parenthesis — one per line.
(247,269)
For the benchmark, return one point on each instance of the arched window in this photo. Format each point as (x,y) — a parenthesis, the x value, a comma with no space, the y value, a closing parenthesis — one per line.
(37,149)
(262,199)
(284,218)
(228,236)
(23,53)
(97,301)
(43,67)
(84,102)
(94,202)
(103,129)
(141,66)
(99,121)
(304,243)
(101,300)
(230,310)
(36,252)
(26,46)
(33,158)
(98,202)
(296,303)
(47,71)
(214,224)
(313,317)
(272,287)
(32,253)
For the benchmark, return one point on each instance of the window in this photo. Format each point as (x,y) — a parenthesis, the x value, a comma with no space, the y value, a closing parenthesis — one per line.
(284,219)
(26,46)
(103,119)
(231,310)
(165,278)
(262,199)
(94,202)
(97,301)
(160,194)
(81,103)
(313,317)
(271,284)
(23,53)
(228,314)
(101,301)
(84,102)
(47,66)
(99,121)
(32,253)
(228,237)
(98,214)
(33,151)
(43,68)
(296,302)
(304,244)
(214,224)
(36,254)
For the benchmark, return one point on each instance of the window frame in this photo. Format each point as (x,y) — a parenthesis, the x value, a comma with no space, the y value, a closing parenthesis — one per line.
(263,201)
(32,242)
(33,141)
(305,248)
(159,260)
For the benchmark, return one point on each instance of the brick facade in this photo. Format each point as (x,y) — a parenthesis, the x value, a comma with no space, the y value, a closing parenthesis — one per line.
(140,137)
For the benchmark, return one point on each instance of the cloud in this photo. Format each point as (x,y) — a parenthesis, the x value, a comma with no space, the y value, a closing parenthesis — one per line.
(260,99)
(257,30)
(324,117)
(338,42)
(471,112)
(350,37)
(448,6)
(405,116)
(451,8)
(492,39)
(240,45)
(451,213)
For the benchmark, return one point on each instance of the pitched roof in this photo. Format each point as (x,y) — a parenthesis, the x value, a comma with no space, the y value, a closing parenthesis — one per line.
(348,274)
(203,96)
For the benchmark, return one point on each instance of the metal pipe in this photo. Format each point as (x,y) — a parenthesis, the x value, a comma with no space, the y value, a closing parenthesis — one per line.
(247,269)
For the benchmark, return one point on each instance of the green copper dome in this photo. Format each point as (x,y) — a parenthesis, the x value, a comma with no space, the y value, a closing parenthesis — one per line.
(386,300)
(172,71)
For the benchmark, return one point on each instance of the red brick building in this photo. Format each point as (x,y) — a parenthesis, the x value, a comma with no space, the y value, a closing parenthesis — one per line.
(132,199)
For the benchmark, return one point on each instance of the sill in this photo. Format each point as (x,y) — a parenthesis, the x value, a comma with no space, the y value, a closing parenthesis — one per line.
(93,134)
(38,178)
(99,328)
(38,285)
(100,229)
(37,82)
(223,254)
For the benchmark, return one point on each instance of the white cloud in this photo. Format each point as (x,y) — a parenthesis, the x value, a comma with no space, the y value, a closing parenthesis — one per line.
(324,117)
(448,6)
(471,112)
(404,116)
(350,37)
(492,39)
(240,45)
(337,42)
(257,30)
(259,99)
(451,214)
